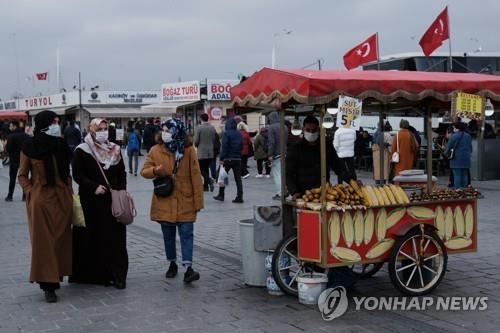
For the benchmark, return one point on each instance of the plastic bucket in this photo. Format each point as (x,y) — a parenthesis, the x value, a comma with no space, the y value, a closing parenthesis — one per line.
(254,270)
(310,287)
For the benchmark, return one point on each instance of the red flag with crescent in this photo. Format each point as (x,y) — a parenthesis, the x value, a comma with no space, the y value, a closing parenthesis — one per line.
(436,34)
(362,53)
(42,76)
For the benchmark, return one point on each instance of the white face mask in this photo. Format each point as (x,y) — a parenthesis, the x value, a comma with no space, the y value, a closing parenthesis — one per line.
(53,130)
(311,137)
(166,136)
(102,136)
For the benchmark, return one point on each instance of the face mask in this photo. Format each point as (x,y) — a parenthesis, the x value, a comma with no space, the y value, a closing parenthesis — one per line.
(53,130)
(311,137)
(166,137)
(101,136)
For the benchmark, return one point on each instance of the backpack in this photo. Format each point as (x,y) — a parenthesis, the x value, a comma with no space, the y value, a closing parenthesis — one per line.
(133,142)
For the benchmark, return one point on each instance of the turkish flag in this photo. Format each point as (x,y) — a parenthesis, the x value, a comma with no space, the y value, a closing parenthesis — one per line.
(362,53)
(436,34)
(42,76)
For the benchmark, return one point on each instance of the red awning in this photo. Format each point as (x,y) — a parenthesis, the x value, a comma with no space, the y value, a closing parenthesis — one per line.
(321,87)
(13,115)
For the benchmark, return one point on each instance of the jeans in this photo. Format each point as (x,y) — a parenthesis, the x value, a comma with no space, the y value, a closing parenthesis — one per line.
(276,171)
(213,168)
(260,163)
(244,165)
(235,165)
(135,156)
(460,178)
(186,236)
(13,168)
(204,167)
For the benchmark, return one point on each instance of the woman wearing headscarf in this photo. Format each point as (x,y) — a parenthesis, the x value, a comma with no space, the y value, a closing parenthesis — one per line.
(44,175)
(177,211)
(406,145)
(99,249)
(377,153)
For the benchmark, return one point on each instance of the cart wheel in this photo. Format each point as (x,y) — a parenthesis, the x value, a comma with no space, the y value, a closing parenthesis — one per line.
(367,270)
(286,265)
(415,274)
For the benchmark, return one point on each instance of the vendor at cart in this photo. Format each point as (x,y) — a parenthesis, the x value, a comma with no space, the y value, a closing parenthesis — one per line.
(303,160)
(303,172)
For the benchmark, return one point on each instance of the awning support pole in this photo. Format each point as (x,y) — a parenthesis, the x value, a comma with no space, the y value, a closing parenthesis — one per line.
(428,123)
(381,144)
(283,137)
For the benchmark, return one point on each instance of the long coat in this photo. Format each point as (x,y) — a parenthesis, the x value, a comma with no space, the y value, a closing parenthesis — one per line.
(187,198)
(99,249)
(376,157)
(260,146)
(408,148)
(462,143)
(204,140)
(49,221)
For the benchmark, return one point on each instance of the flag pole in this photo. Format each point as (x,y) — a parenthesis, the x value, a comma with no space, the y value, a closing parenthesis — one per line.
(450,66)
(378,53)
(58,73)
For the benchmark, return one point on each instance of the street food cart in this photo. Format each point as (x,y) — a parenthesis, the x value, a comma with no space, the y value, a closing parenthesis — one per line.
(365,226)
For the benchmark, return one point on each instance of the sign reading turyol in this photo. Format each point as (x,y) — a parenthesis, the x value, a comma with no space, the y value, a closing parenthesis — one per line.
(50,101)
(181,91)
(220,90)
(121,97)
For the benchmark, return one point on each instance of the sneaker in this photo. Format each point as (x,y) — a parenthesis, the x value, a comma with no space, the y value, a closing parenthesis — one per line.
(238,200)
(268,176)
(50,296)
(277,197)
(246,176)
(8,199)
(172,270)
(135,174)
(191,275)
(259,176)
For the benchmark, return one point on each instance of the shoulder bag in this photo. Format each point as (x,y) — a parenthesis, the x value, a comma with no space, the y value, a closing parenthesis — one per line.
(164,186)
(122,204)
(395,155)
(451,153)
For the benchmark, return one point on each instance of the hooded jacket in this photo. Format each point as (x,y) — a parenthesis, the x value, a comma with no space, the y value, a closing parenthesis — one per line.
(273,135)
(232,142)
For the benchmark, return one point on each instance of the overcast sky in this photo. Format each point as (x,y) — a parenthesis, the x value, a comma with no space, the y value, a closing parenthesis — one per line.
(125,44)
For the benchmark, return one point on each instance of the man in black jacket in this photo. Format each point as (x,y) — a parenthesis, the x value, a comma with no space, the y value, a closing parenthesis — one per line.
(303,161)
(72,136)
(15,141)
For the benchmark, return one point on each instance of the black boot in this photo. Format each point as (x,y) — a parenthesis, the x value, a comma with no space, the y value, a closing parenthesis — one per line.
(211,185)
(191,275)
(220,196)
(50,296)
(238,199)
(172,270)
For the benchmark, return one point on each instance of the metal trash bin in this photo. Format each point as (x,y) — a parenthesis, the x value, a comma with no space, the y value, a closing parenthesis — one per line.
(254,269)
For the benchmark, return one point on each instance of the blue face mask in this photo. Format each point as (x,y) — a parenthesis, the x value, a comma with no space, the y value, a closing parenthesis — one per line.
(53,130)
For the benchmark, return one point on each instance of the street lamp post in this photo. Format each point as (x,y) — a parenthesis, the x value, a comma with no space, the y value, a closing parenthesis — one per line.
(276,35)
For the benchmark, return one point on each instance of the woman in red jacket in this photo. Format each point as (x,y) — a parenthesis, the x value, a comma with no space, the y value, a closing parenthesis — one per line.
(243,128)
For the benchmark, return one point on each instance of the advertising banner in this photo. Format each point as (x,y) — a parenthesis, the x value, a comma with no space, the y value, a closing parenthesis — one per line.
(467,106)
(349,112)
(181,91)
(219,90)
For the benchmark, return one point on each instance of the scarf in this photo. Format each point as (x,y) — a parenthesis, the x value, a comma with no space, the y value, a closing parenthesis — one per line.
(47,148)
(107,153)
(178,131)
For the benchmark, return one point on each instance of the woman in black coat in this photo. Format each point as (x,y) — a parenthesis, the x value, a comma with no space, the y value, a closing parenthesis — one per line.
(99,249)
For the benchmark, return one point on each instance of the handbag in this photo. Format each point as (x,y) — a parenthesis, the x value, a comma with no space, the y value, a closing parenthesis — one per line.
(122,204)
(395,155)
(164,186)
(77,218)
(450,154)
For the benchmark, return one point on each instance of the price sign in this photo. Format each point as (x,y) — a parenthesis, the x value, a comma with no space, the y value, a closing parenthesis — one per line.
(349,112)
(467,106)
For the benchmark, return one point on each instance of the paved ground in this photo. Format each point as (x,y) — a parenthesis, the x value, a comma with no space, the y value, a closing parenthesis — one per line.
(220,302)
